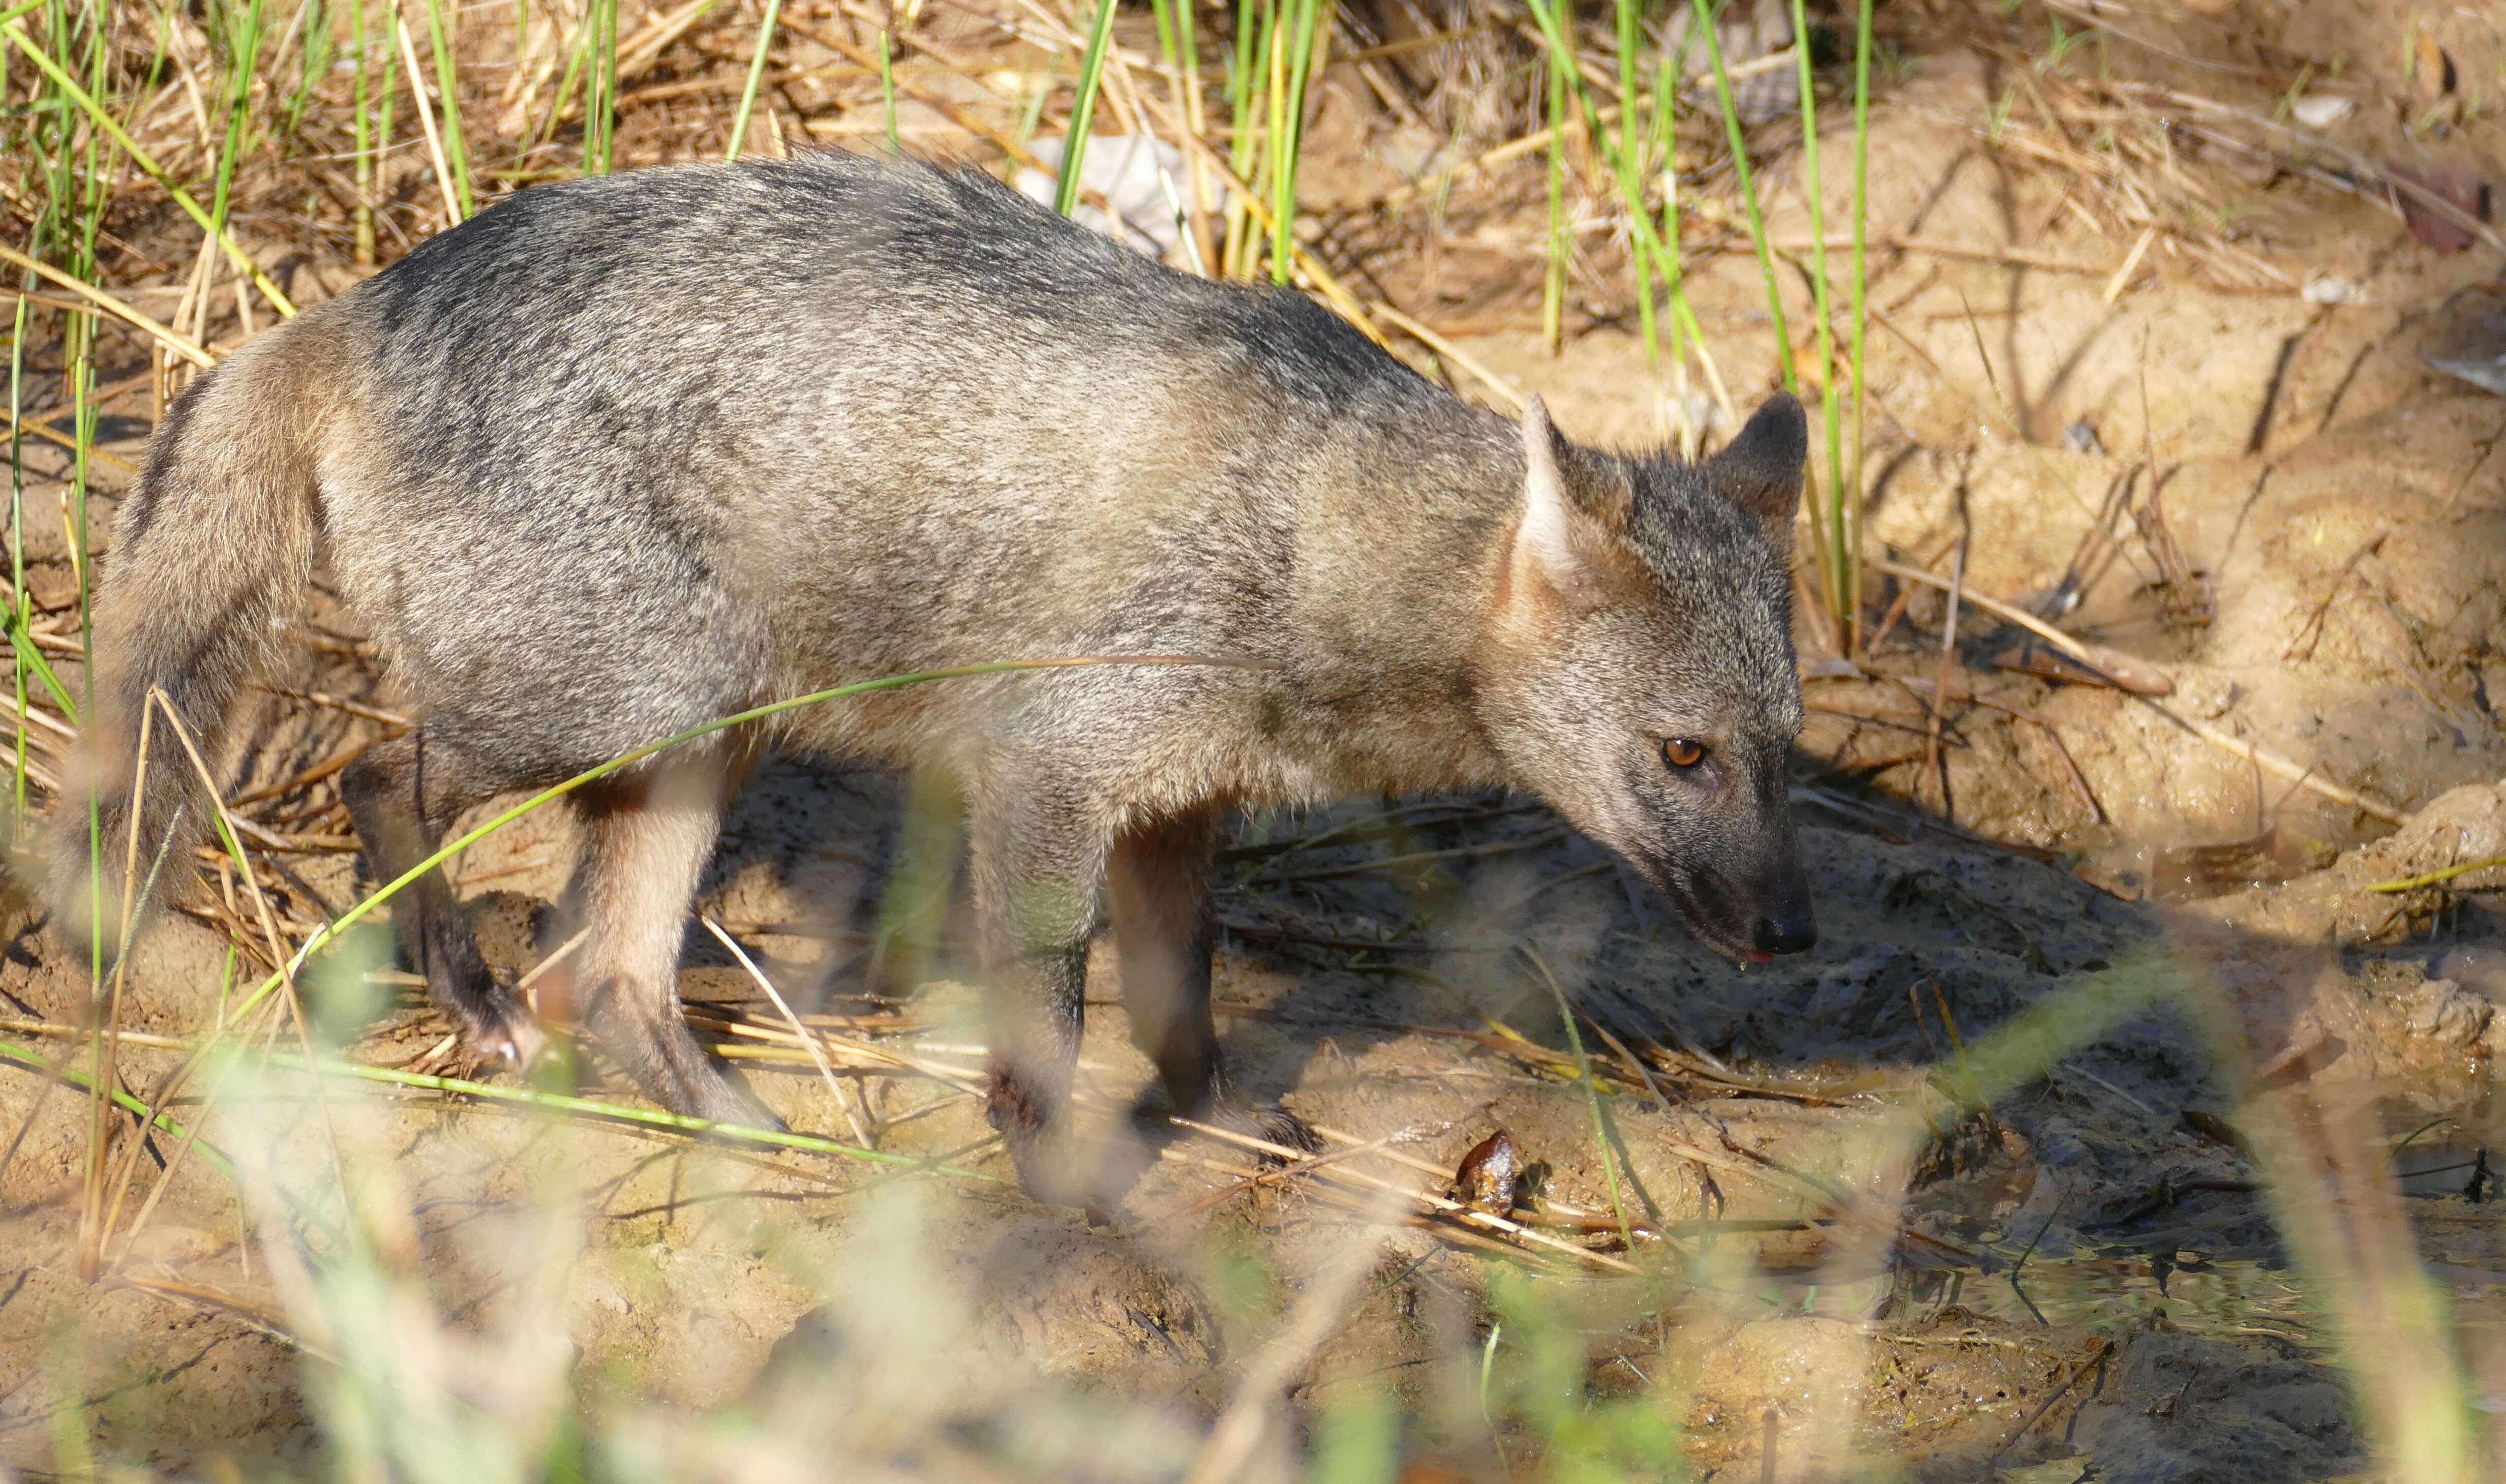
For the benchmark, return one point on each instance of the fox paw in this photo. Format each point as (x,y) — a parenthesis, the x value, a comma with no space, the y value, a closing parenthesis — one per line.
(513,1038)
(1268,1122)
(496,1023)
(1271,1123)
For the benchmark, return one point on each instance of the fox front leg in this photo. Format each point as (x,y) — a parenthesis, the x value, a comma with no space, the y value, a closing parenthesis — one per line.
(1160,883)
(1038,860)
(1166,932)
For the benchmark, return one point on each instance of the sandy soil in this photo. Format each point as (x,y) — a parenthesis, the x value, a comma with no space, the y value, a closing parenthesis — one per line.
(2089,1278)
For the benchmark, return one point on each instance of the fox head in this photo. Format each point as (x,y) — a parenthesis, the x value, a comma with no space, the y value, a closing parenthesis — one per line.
(1640,667)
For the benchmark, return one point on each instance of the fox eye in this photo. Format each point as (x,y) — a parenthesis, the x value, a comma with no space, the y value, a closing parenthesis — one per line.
(1682,754)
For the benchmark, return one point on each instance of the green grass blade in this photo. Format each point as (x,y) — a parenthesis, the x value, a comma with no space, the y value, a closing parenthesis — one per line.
(389,104)
(1666,87)
(1247,93)
(600,103)
(361,137)
(1187,45)
(1848,486)
(1633,136)
(30,658)
(82,337)
(1552,291)
(888,96)
(21,613)
(1288,139)
(1828,521)
(757,74)
(1645,248)
(578,60)
(36,1061)
(1092,72)
(1748,184)
(1187,60)
(558,1102)
(1603,1142)
(244,54)
(312,60)
(448,92)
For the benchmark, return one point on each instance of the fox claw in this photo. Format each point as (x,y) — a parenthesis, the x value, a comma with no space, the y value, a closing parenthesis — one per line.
(1271,1123)
(1282,1128)
(517,1042)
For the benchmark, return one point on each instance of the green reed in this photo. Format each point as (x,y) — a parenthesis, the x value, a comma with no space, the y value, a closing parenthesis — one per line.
(1083,109)
(440,35)
(757,73)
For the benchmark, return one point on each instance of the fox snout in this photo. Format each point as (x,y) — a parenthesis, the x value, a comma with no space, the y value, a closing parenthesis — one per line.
(1747,912)
(1786,926)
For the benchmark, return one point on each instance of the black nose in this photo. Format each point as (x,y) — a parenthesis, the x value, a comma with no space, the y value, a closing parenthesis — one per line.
(1787,934)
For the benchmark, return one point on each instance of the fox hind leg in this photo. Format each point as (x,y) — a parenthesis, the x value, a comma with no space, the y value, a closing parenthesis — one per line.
(645,840)
(402,795)
(1038,862)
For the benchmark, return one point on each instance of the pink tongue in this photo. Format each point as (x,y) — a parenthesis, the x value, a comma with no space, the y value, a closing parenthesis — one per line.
(1756,956)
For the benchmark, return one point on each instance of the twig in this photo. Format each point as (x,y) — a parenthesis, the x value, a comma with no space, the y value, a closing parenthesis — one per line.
(2079,780)
(9,424)
(2057,1393)
(1260,1177)
(2433,201)
(2124,672)
(807,1041)
(2020,1266)
(177,343)
(2012,256)
(1443,1204)
(961,1079)
(338,762)
(1534,840)
(2434,877)
(1449,351)
(250,1313)
(426,121)
(2122,278)
(369,711)
(2272,762)
(1941,691)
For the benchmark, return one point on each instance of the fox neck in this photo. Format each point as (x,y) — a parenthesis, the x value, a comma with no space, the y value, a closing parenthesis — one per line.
(1404,606)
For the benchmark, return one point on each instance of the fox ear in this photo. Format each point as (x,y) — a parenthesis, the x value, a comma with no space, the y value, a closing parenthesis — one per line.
(1761,469)
(1547,531)
(1547,534)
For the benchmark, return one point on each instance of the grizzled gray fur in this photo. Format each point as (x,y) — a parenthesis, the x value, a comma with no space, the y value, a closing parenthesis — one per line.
(622,455)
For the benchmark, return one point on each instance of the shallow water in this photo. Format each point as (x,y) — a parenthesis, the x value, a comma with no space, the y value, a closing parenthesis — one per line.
(2100,1289)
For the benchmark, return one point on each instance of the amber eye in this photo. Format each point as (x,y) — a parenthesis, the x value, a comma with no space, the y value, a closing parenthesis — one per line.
(1682,754)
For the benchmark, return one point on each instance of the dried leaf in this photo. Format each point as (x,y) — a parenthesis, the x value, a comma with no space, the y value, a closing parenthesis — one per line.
(2458,186)
(2217,1130)
(2433,77)
(1488,1174)
(2104,666)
